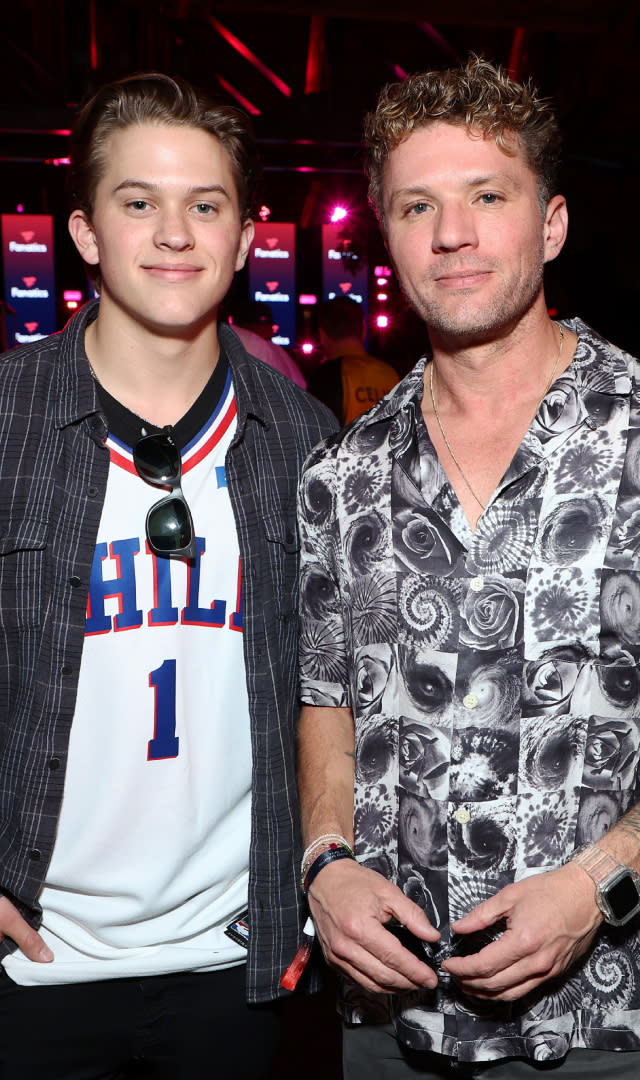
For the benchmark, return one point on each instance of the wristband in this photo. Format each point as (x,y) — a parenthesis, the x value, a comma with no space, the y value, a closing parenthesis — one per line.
(319,864)
(330,842)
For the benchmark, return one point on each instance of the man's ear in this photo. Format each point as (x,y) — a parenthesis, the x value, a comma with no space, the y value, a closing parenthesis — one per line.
(556,224)
(84,237)
(246,240)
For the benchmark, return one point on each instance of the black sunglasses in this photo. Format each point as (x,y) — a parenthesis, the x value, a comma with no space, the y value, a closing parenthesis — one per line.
(169,523)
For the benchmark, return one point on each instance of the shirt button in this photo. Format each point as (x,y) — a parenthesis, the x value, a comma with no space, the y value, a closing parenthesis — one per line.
(463,817)
(477,584)
(92,491)
(66,669)
(35,854)
(75,581)
(469,701)
(54,763)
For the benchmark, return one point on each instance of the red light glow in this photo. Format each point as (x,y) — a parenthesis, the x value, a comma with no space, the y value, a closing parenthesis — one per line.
(307,347)
(382,322)
(252,109)
(246,53)
(308,299)
(338,214)
(382,296)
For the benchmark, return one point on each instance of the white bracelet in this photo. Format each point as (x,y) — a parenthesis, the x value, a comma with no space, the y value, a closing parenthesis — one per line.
(327,839)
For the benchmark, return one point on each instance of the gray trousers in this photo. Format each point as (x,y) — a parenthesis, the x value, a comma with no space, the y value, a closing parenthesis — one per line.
(372,1052)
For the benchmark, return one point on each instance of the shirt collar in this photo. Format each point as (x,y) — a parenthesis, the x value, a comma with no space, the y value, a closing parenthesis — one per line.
(597,366)
(75,393)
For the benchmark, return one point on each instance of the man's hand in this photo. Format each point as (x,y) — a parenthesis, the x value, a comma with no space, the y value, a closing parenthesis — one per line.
(551,919)
(12,925)
(350,905)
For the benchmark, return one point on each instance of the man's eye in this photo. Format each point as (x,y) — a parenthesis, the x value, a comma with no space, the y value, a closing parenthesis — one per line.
(489,198)
(138,204)
(205,208)
(417,208)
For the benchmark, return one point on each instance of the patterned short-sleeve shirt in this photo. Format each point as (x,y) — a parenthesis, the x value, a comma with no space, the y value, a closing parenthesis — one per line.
(493,678)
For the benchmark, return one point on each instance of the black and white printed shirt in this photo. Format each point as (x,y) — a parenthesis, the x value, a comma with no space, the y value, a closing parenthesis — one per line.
(493,678)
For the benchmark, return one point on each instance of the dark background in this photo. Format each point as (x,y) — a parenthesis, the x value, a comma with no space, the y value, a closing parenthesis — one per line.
(333,58)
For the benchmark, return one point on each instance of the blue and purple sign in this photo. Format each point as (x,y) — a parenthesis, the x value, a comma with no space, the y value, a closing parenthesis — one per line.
(29,279)
(272,275)
(343,272)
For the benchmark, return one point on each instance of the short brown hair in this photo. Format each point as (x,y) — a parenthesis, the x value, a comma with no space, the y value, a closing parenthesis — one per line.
(477,95)
(153,98)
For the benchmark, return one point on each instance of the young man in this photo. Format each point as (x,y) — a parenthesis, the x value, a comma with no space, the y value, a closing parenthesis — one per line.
(350,380)
(471,631)
(148,580)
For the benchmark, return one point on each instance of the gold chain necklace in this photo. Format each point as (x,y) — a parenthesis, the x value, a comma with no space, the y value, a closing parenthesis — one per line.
(442,431)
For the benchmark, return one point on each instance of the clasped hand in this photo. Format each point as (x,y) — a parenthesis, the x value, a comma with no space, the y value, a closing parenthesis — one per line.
(551,920)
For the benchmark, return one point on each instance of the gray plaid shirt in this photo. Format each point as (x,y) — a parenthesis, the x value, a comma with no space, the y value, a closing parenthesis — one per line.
(53,478)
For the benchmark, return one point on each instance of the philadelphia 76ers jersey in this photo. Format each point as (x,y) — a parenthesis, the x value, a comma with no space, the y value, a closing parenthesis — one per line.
(152,850)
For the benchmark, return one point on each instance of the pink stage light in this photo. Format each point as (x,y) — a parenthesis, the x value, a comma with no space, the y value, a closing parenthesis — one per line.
(307,347)
(308,299)
(72,294)
(383,296)
(339,214)
(382,322)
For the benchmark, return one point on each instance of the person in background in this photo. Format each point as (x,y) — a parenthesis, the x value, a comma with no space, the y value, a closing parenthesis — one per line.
(148,570)
(349,381)
(470,642)
(253,323)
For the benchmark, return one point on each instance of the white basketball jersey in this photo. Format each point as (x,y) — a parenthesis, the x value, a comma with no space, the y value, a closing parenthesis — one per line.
(151,857)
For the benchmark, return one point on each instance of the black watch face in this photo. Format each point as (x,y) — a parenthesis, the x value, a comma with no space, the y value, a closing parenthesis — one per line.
(622,897)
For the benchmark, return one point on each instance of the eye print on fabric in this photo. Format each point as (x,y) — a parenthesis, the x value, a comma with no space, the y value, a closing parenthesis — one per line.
(572,530)
(376,747)
(374,668)
(550,753)
(427,683)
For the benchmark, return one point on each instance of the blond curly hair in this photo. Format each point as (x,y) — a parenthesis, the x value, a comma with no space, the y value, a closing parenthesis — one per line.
(478,95)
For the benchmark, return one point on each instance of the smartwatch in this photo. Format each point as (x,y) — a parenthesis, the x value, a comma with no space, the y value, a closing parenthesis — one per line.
(617,885)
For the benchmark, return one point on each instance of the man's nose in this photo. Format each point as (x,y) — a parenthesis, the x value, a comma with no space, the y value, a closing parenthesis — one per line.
(454,227)
(173,230)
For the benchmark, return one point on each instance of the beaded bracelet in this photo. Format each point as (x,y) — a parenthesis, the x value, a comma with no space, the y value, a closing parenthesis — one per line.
(332,855)
(328,839)
(331,841)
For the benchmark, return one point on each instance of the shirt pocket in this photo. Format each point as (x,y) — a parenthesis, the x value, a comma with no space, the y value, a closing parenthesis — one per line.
(22,576)
(283,553)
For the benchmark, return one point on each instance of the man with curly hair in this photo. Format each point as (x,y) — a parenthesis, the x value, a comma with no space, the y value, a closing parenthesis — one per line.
(470,602)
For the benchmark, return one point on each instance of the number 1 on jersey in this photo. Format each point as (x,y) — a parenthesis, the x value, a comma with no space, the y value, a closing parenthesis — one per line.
(165,743)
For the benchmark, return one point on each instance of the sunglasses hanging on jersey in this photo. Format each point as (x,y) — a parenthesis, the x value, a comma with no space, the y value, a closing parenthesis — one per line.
(169,523)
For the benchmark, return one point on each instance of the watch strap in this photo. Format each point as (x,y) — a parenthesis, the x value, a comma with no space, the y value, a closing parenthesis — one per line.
(598,864)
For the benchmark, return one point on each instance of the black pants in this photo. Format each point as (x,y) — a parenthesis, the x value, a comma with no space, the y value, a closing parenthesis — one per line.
(170,1027)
